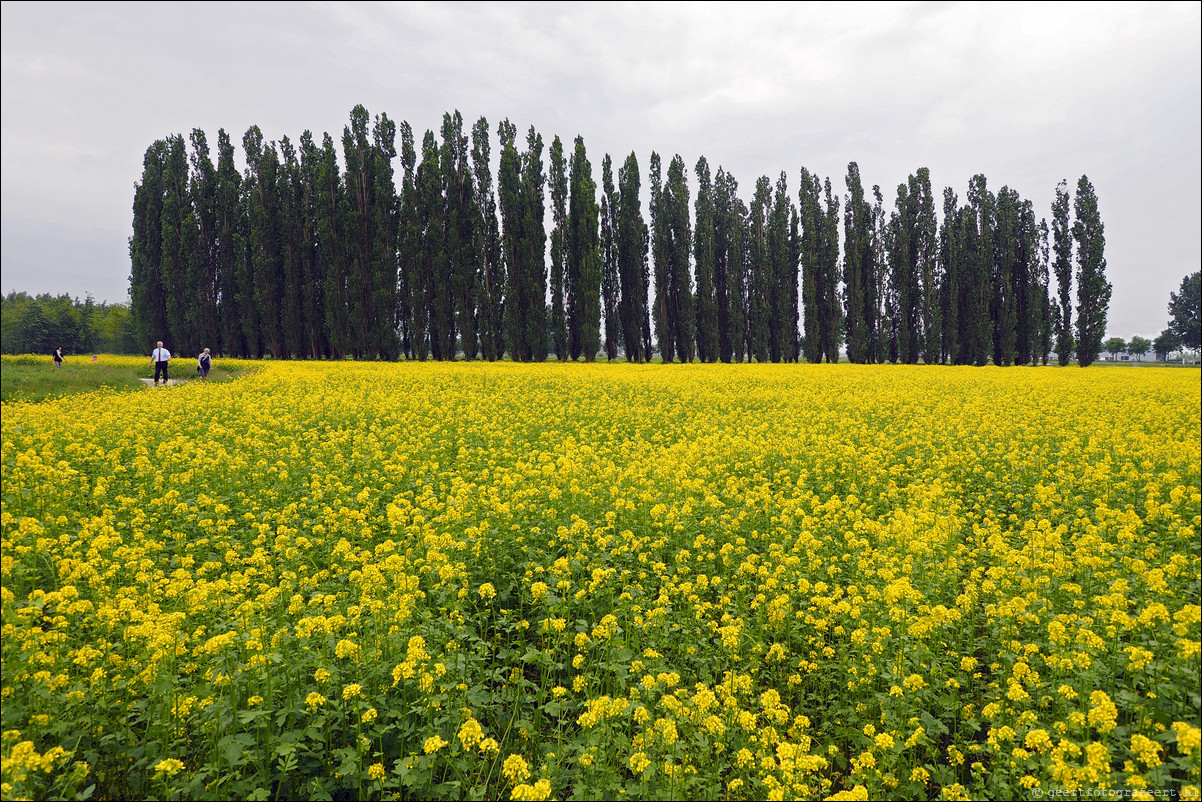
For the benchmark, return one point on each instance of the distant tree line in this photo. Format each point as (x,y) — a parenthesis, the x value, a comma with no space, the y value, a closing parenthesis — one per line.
(38,325)
(301,255)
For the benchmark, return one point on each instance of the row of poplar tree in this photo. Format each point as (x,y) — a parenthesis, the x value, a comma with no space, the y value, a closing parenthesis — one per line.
(299,256)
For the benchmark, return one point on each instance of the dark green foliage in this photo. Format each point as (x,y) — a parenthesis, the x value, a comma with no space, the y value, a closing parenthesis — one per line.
(490,299)
(760,280)
(38,325)
(583,260)
(729,270)
(1093,290)
(1166,343)
(632,243)
(610,284)
(659,259)
(1115,346)
(859,272)
(462,247)
(781,274)
(1004,306)
(1062,266)
(703,256)
(1138,346)
(1184,311)
(950,267)
(147,294)
(520,185)
(558,181)
(433,284)
(330,210)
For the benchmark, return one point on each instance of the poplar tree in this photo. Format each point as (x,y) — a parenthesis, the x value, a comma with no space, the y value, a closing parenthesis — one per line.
(461,249)
(703,259)
(584,259)
(632,242)
(148,302)
(412,307)
(1004,309)
(830,311)
(263,215)
(903,280)
(681,314)
(509,191)
(534,245)
(491,298)
(432,283)
(979,284)
(659,259)
(760,278)
(1093,290)
(810,200)
(858,302)
(1062,266)
(782,276)
(950,261)
(201,314)
(610,283)
(330,209)
(179,245)
(231,246)
(559,224)
(313,276)
(292,246)
(924,249)
(730,223)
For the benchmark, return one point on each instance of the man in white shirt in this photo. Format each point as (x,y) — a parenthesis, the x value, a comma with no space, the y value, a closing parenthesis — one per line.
(160,356)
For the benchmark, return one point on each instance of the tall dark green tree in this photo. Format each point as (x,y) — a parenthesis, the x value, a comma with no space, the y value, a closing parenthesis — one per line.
(584,259)
(231,248)
(462,247)
(147,292)
(782,273)
(924,249)
(201,314)
(180,244)
(760,279)
(903,278)
(812,218)
(729,223)
(330,206)
(558,181)
(610,282)
(950,266)
(681,314)
(632,243)
(435,280)
(509,190)
(264,241)
(1062,266)
(413,305)
(1093,290)
(830,310)
(978,283)
(1004,306)
(533,183)
(703,259)
(313,275)
(859,301)
(492,281)
(660,236)
(293,245)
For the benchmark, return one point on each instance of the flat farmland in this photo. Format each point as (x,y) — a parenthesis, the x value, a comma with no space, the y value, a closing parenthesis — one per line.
(471,581)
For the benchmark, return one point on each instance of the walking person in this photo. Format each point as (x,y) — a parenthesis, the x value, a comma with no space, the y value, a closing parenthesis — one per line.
(159,357)
(204,363)
(58,357)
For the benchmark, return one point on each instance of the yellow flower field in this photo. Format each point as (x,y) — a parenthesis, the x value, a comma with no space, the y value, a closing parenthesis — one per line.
(602,581)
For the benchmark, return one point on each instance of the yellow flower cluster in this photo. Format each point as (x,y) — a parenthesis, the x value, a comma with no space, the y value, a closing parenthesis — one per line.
(735,581)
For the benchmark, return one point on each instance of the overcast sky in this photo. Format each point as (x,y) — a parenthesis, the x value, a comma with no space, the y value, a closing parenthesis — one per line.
(1026,94)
